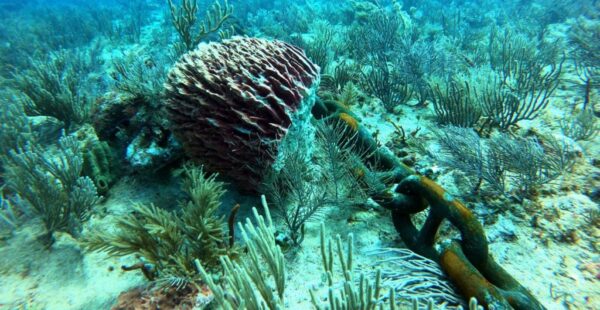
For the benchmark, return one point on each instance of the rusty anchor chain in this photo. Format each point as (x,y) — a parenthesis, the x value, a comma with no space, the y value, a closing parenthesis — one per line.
(467,260)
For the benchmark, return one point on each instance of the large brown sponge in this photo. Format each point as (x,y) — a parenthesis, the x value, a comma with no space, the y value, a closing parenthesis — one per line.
(231,103)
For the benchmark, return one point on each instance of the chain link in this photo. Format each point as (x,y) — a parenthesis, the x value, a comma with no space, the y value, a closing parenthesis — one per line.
(467,260)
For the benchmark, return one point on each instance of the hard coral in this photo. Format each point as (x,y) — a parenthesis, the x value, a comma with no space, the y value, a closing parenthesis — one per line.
(231,103)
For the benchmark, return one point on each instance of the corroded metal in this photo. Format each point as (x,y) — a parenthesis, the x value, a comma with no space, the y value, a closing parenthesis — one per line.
(466,261)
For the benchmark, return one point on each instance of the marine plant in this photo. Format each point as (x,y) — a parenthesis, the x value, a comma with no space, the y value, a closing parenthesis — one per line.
(294,196)
(169,242)
(527,162)
(581,126)
(140,76)
(54,86)
(49,183)
(455,104)
(15,128)
(258,280)
(386,83)
(583,37)
(192,31)
(528,74)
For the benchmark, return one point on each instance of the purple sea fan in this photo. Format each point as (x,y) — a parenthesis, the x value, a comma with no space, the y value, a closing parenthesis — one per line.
(232,103)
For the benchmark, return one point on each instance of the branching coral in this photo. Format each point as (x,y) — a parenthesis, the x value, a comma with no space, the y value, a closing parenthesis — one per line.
(54,87)
(462,149)
(584,36)
(50,184)
(336,78)
(339,153)
(9,216)
(169,242)
(320,50)
(524,157)
(454,104)
(526,161)
(383,81)
(528,75)
(296,199)
(581,126)
(185,19)
(141,77)
(258,281)
(301,188)
(377,35)
(413,276)
(15,129)
(351,293)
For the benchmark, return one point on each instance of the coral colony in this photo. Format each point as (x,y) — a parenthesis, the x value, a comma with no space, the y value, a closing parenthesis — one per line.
(231,103)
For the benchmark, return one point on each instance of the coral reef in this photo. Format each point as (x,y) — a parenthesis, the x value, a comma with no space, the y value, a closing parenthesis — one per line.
(231,102)
(15,127)
(495,104)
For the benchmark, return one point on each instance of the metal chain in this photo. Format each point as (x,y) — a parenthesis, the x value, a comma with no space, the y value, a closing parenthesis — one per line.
(466,261)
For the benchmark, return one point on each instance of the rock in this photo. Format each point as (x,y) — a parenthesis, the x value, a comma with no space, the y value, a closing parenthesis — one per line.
(144,153)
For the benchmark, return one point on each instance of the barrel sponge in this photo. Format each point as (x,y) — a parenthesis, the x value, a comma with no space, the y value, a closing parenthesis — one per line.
(232,103)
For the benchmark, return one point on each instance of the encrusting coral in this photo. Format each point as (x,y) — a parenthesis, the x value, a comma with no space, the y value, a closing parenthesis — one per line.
(231,102)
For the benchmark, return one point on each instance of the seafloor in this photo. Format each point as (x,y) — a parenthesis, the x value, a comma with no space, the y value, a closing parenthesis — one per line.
(547,242)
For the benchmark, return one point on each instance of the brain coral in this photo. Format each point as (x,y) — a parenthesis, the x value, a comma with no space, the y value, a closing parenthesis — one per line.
(232,103)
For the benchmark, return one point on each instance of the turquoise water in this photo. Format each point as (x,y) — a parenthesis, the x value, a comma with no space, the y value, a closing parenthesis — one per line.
(387,146)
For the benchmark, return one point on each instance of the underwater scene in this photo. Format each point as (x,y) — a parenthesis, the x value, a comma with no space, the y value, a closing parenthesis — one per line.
(299,154)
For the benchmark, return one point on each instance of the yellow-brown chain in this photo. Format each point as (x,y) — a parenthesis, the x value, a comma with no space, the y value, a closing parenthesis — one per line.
(466,261)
